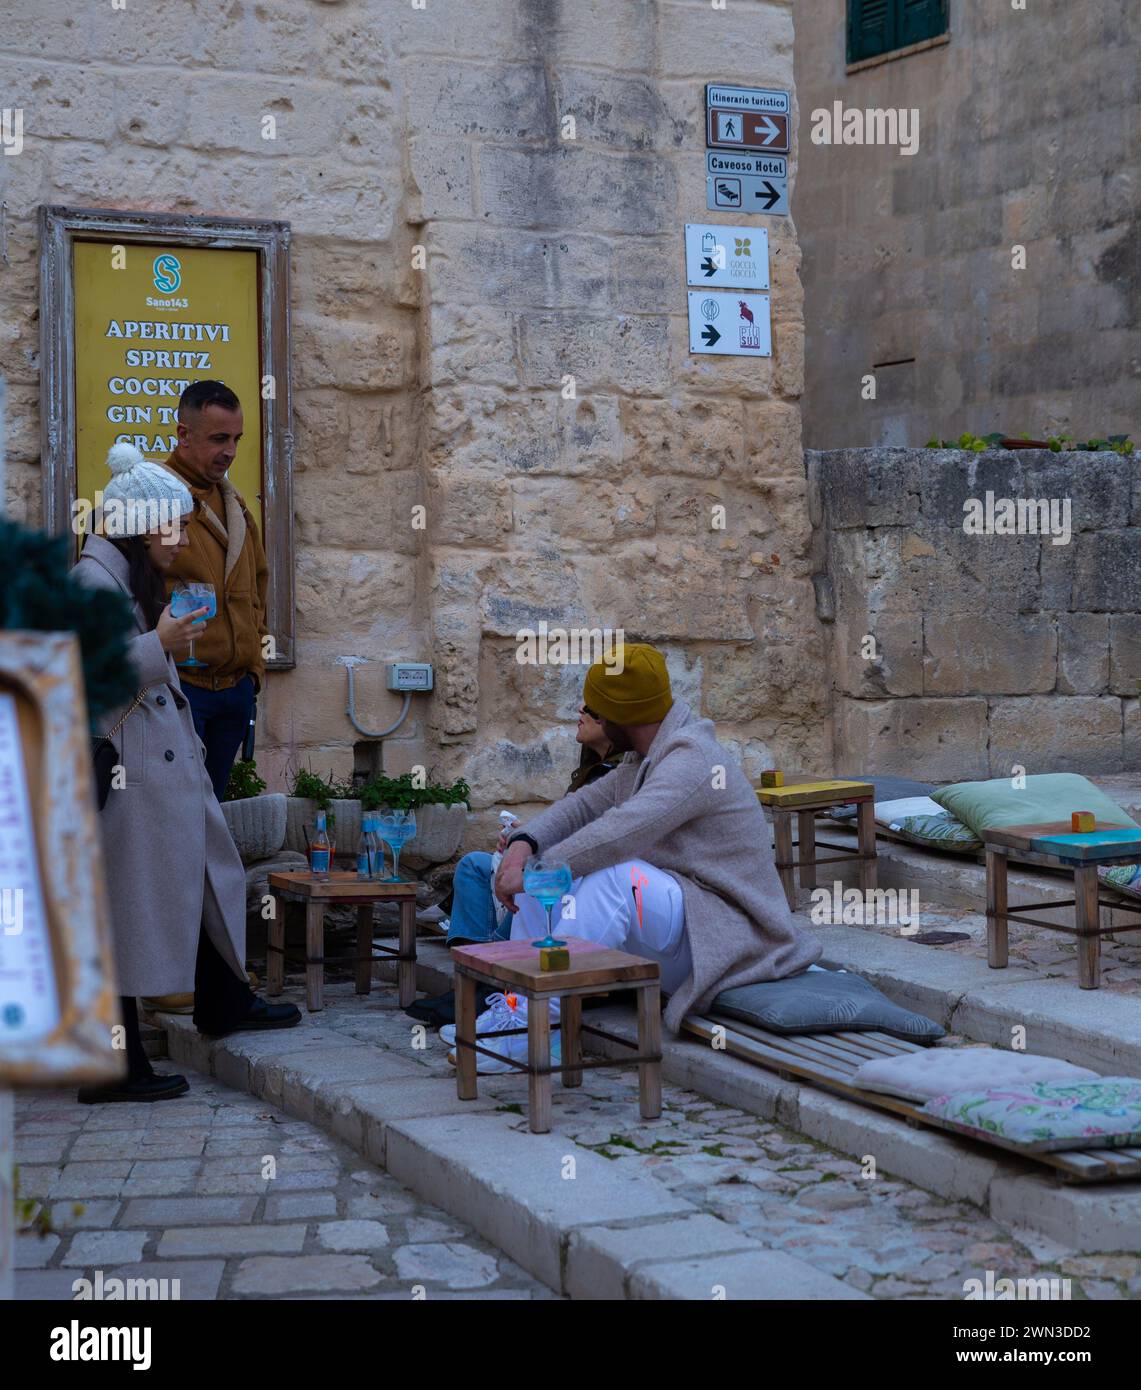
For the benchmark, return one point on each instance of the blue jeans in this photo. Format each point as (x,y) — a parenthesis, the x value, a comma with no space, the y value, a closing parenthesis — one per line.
(473,902)
(221,718)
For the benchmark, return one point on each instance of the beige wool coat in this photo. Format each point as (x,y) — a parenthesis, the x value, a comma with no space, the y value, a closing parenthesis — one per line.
(688,809)
(169,857)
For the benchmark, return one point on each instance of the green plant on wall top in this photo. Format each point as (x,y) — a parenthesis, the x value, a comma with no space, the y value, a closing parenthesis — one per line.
(1056,443)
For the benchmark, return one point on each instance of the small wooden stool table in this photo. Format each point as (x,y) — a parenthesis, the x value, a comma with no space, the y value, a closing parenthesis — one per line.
(317,894)
(807,800)
(513,967)
(1054,845)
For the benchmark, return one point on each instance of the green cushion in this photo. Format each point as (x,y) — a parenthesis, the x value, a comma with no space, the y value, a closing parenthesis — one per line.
(938,832)
(1048,797)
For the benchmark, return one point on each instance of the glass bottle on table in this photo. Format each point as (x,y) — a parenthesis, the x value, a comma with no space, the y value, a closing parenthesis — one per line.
(366,851)
(321,849)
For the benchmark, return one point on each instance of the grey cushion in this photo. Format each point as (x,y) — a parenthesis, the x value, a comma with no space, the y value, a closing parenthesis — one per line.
(887,789)
(823,1001)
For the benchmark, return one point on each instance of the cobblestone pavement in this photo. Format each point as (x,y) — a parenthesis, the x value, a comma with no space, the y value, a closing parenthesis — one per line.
(176,1190)
(884,1236)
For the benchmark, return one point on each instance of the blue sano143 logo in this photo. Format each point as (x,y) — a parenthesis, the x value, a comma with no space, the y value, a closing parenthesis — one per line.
(168,273)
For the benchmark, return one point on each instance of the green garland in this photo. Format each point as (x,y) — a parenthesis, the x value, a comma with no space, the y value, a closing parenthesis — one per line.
(37,594)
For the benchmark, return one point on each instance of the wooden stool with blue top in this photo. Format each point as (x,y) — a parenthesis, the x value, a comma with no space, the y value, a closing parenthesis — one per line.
(1056,845)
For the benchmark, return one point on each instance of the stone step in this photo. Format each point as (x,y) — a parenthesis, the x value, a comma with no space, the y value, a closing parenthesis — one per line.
(595,1232)
(154,1040)
(1093,1028)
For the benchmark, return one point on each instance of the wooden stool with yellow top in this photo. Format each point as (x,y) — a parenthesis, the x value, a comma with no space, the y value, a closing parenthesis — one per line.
(807,800)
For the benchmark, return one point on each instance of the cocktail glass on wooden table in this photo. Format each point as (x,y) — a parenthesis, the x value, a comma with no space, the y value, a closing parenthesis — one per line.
(340,889)
(807,800)
(1055,845)
(515,967)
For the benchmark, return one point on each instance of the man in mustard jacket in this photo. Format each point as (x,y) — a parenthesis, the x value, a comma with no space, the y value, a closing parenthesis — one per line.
(225,550)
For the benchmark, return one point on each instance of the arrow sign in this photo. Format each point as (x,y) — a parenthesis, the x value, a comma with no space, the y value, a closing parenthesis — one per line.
(768,130)
(710,336)
(732,128)
(709,268)
(771,195)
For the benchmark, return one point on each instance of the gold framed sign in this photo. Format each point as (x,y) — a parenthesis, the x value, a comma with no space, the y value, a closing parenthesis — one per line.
(133,307)
(59,1009)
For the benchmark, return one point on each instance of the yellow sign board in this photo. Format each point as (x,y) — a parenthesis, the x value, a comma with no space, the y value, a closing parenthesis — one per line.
(149,320)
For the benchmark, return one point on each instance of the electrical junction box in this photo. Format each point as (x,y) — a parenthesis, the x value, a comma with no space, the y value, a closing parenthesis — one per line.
(407,676)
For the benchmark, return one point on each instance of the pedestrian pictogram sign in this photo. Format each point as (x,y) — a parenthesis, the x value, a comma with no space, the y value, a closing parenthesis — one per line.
(729,325)
(737,257)
(747,118)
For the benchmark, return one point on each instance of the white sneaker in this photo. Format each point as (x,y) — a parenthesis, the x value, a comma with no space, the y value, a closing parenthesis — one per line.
(513,1047)
(503,1011)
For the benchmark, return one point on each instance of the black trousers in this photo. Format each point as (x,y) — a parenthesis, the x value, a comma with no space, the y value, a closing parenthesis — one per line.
(138,1063)
(221,1000)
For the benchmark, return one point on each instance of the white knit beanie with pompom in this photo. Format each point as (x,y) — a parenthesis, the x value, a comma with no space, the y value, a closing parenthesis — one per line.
(141,496)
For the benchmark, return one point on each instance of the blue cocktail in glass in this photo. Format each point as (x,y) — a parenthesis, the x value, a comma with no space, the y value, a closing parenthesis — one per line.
(396,828)
(548,880)
(189,598)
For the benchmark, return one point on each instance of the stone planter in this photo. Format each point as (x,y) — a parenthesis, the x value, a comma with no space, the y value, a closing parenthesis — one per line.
(439,830)
(257,825)
(301,816)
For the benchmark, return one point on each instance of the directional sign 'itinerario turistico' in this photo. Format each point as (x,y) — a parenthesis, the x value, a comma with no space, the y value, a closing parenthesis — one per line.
(747,118)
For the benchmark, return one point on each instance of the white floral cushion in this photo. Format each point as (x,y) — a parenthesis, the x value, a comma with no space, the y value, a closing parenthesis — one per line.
(940,1071)
(1040,1116)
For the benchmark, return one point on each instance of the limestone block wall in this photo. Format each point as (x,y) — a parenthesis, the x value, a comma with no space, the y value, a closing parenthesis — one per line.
(957,655)
(574,450)
(488,322)
(1027,137)
(160,107)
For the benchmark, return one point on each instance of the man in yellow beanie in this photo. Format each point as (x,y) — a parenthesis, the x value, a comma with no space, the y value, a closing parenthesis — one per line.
(670,853)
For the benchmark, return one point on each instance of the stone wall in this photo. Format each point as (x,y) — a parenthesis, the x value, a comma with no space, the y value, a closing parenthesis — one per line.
(991,651)
(1027,137)
(489,321)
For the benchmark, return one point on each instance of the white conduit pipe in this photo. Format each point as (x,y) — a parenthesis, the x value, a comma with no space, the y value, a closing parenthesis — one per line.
(351,711)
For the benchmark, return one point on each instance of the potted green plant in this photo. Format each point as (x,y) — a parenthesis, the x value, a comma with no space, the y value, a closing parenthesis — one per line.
(339,800)
(441,811)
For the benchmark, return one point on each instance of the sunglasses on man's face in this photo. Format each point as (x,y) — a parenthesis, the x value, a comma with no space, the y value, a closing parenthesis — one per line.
(590,714)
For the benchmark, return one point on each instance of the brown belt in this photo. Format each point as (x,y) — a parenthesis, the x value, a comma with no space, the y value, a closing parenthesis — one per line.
(212,682)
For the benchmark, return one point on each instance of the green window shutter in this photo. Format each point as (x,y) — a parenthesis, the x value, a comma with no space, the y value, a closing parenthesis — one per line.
(881,26)
(919,20)
(869,28)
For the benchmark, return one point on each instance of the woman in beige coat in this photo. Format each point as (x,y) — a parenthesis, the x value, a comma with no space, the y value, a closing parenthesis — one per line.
(175,880)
